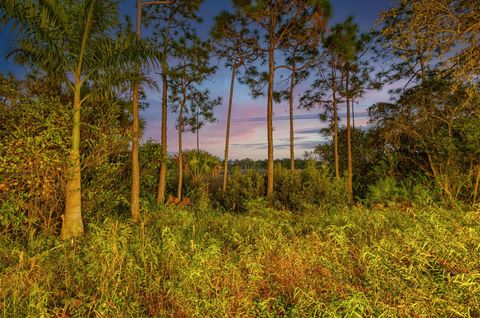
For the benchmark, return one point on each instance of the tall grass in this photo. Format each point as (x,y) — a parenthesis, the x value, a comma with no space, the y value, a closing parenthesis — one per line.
(265,263)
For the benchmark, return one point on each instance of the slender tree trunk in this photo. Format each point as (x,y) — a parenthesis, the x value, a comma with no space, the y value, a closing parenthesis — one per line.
(335,127)
(292,132)
(477,183)
(353,116)
(72,225)
(227,137)
(349,140)
(163,165)
(271,74)
(180,152)
(422,66)
(198,130)
(135,200)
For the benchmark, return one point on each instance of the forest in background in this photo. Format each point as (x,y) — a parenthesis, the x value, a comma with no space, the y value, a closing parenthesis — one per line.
(378,221)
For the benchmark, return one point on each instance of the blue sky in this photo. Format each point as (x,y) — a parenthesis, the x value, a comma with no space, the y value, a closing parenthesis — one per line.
(248,131)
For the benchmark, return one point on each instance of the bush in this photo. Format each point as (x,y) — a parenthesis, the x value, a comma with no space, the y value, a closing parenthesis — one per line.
(389,192)
(105,166)
(313,186)
(33,147)
(243,186)
(150,158)
(199,167)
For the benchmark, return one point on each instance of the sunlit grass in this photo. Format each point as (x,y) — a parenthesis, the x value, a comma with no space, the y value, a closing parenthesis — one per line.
(265,263)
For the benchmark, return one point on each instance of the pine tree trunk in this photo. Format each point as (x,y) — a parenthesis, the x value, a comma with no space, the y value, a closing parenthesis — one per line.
(180,152)
(198,129)
(227,137)
(271,71)
(335,127)
(72,225)
(292,132)
(163,164)
(135,200)
(349,140)
(353,116)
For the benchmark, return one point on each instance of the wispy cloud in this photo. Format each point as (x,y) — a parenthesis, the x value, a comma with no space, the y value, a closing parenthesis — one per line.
(305,145)
(307,131)
(276,118)
(362,114)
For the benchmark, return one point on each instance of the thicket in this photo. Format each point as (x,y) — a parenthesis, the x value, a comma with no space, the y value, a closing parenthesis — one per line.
(392,166)
(34,133)
(34,143)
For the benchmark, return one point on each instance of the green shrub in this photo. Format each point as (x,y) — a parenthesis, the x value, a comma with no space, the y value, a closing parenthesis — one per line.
(106,168)
(389,192)
(243,186)
(288,188)
(321,188)
(33,148)
(311,187)
(150,157)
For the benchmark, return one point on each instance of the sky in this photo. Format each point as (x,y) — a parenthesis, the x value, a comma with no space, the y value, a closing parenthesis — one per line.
(248,129)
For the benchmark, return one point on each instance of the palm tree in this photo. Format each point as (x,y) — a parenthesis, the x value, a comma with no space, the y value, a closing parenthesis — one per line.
(75,44)
(200,164)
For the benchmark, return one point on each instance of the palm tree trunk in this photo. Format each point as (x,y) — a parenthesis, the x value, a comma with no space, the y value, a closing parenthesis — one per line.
(72,225)
(271,70)
(349,140)
(292,133)
(227,137)
(163,165)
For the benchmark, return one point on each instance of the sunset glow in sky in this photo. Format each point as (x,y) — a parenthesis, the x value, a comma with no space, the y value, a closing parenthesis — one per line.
(248,129)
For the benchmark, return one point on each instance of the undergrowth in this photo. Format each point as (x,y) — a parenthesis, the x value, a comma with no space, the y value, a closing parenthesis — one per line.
(355,262)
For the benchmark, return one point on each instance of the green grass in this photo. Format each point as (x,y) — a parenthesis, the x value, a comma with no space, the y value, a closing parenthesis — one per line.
(265,263)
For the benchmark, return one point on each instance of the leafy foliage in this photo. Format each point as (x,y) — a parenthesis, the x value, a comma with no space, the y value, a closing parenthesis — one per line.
(33,131)
(243,186)
(309,188)
(32,163)
(429,128)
